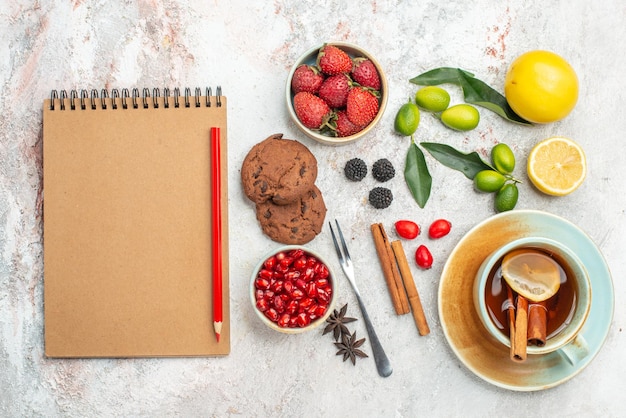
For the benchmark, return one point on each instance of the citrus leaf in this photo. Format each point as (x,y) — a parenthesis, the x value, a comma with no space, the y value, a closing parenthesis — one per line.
(475,91)
(416,175)
(468,164)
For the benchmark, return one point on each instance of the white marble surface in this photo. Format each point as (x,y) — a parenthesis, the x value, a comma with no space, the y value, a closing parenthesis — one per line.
(248,48)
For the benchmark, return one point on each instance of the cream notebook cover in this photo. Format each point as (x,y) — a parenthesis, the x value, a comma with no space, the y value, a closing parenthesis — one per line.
(127,224)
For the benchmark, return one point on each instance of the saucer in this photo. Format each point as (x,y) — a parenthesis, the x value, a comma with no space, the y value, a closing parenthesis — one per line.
(474,346)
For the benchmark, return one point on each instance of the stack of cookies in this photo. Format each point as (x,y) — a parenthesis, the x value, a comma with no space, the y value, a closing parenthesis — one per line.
(279,175)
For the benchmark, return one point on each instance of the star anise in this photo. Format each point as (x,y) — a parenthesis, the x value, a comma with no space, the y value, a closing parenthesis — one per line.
(337,323)
(349,347)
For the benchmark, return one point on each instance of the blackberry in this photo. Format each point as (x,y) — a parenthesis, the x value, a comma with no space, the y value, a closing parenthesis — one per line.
(383,170)
(381,197)
(355,169)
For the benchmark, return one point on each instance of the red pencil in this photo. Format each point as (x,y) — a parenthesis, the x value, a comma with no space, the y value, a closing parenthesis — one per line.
(216,207)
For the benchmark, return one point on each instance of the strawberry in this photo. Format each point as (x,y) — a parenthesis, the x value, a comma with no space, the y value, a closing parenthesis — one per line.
(364,72)
(362,106)
(306,78)
(333,60)
(312,111)
(334,90)
(343,126)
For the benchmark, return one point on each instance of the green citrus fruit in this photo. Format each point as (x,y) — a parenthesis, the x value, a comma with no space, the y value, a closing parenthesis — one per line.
(432,98)
(462,117)
(489,181)
(407,119)
(506,198)
(503,158)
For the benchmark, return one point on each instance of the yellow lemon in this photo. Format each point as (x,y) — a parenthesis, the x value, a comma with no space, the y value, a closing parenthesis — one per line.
(532,274)
(557,166)
(541,87)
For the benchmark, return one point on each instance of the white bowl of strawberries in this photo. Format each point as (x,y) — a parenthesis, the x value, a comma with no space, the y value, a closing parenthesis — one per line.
(336,93)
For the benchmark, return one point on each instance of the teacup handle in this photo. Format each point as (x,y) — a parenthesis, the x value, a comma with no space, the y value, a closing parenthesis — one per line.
(575,351)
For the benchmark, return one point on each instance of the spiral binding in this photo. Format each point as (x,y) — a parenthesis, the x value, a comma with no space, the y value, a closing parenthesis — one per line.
(133,98)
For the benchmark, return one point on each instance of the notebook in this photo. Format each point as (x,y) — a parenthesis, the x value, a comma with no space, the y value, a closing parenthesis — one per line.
(127,223)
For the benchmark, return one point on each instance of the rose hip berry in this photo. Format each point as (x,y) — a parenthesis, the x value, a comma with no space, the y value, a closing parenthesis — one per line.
(423,257)
(439,228)
(293,289)
(407,229)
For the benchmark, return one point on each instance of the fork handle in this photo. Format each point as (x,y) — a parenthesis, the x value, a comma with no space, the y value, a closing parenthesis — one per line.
(382,362)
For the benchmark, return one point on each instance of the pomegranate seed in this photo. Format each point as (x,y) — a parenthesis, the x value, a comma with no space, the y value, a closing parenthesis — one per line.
(303,320)
(322,272)
(292,275)
(272,314)
(262,283)
(277,286)
(296,253)
(301,284)
(322,296)
(283,321)
(311,261)
(288,286)
(286,262)
(300,263)
(258,294)
(266,274)
(279,304)
(297,294)
(292,307)
(268,295)
(270,263)
(319,282)
(280,256)
(262,305)
(311,289)
(321,310)
(305,303)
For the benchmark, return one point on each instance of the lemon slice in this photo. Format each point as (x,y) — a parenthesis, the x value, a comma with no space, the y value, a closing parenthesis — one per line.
(531,274)
(557,166)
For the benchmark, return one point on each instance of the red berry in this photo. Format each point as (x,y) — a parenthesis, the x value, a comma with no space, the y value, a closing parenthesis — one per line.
(343,126)
(365,73)
(407,229)
(423,257)
(306,78)
(333,60)
(439,228)
(362,106)
(334,90)
(310,110)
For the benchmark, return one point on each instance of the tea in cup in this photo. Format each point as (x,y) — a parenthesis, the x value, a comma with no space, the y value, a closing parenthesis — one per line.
(537,303)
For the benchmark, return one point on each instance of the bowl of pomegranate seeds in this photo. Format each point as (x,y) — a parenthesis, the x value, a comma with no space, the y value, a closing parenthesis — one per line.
(292,289)
(336,93)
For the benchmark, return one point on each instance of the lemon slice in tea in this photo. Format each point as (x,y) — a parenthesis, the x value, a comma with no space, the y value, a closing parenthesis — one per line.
(532,274)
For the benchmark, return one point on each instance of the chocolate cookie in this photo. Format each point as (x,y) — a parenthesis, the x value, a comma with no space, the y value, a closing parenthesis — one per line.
(279,170)
(296,223)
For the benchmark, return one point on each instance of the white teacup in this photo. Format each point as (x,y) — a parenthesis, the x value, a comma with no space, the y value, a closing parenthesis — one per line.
(567,338)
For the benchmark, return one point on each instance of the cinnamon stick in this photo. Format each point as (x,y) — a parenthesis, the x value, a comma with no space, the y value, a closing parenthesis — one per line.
(537,324)
(521,329)
(411,290)
(390,270)
(511,316)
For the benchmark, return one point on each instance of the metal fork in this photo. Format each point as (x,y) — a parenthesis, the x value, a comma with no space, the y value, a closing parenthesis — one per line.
(382,362)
